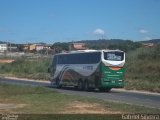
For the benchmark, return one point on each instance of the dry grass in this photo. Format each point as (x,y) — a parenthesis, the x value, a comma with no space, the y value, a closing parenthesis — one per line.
(10,107)
(78,107)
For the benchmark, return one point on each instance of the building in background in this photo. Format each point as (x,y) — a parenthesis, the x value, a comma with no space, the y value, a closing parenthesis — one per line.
(3,47)
(26,47)
(39,47)
(32,47)
(12,48)
(78,46)
(35,47)
(148,44)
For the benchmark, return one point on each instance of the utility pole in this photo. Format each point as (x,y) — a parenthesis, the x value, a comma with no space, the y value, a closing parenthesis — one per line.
(10,47)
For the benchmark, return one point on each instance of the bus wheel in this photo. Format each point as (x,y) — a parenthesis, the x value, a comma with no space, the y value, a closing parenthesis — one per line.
(80,85)
(59,86)
(52,84)
(105,89)
(86,85)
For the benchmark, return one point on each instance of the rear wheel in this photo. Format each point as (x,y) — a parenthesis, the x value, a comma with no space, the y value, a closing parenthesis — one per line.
(59,86)
(58,83)
(105,89)
(52,83)
(80,85)
(86,85)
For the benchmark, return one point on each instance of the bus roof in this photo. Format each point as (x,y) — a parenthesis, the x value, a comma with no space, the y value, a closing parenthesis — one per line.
(88,51)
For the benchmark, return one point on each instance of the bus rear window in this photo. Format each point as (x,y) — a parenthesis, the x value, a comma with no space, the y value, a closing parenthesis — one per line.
(114,56)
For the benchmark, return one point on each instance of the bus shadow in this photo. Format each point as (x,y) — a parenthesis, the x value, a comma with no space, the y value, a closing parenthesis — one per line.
(90,90)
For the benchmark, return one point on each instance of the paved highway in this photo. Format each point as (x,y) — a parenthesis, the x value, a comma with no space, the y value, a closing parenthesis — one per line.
(137,98)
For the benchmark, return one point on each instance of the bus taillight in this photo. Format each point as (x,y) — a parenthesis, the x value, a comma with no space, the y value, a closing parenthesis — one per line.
(115,68)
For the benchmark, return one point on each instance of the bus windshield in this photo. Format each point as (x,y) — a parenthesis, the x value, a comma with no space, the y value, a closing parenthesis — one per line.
(114,56)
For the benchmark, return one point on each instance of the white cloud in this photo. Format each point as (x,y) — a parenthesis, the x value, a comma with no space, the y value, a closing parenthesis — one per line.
(98,31)
(143,31)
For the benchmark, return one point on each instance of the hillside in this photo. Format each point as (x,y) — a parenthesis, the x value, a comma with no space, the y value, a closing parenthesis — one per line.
(155,41)
(103,41)
(125,45)
(143,69)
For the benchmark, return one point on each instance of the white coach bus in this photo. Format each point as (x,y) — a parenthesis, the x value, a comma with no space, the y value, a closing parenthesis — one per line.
(102,69)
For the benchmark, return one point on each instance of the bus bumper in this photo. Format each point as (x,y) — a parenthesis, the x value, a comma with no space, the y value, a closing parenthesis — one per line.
(112,84)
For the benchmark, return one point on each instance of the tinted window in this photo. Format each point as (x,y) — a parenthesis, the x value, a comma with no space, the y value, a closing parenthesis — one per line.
(54,62)
(114,56)
(82,58)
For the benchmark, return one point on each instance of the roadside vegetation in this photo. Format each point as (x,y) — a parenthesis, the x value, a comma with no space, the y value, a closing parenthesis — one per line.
(45,101)
(142,68)
(23,67)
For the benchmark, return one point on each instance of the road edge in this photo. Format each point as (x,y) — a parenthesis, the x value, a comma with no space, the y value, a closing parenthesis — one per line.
(113,89)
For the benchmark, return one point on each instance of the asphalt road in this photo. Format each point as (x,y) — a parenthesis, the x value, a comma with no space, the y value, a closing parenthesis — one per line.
(136,98)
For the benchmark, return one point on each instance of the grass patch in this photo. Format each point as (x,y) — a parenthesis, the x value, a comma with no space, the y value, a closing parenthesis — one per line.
(40,100)
(143,69)
(27,68)
(39,103)
(70,117)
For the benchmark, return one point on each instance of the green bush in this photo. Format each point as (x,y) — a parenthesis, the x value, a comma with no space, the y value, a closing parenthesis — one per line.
(143,69)
(30,68)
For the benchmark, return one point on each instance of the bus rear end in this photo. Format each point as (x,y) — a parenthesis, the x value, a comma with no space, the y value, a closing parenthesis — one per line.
(112,70)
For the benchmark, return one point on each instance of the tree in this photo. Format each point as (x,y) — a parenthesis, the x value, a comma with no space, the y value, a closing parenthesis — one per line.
(59,47)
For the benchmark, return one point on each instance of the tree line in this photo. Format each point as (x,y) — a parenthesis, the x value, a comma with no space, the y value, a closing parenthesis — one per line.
(124,45)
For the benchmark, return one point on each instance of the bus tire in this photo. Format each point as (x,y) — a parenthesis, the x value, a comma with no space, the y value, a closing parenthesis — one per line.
(80,85)
(105,89)
(52,84)
(86,85)
(59,86)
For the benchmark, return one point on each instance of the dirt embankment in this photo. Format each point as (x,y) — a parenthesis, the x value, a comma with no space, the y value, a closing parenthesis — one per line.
(78,107)
(6,61)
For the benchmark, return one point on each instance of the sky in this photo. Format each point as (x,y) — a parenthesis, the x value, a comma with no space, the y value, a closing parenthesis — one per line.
(49,21)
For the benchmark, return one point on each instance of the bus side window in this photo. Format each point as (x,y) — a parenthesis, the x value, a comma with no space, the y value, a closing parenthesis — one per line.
(53,67)
(54,61)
